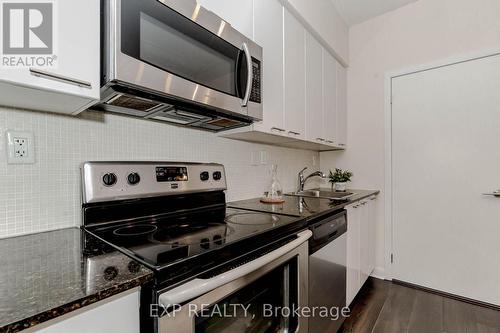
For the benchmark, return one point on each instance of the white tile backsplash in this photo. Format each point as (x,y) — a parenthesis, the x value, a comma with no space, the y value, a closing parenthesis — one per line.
(46,195)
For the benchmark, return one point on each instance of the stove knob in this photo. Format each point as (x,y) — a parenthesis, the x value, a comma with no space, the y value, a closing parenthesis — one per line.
(110,273)
(134,267)
(109,179)
(205,243)
(133,178)
(217,175)
(204,176)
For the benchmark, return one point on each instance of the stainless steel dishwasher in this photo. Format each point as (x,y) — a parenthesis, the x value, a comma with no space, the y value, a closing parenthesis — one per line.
(327,270)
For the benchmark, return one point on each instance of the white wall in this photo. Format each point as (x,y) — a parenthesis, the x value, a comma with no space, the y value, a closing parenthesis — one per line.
(419,33)
(46,195)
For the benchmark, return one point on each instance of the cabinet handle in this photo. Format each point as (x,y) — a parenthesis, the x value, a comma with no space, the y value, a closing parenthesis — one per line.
(320,139)
(277,129)
(329,141)
(342,144)
(294,133)
(57,77)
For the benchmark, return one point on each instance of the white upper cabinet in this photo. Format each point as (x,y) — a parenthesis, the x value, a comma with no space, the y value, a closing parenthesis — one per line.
(304,86)
(295,99)
(269,35)
(341,106)
(237,13)
(73,84)
(314,90)
(322,17)
(329,98)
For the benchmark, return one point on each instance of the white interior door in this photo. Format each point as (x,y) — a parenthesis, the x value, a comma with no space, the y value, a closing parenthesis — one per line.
(445,154)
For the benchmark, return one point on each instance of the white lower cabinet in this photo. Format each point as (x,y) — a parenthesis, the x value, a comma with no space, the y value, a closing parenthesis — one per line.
(117,314)
(360,245)
(353,252)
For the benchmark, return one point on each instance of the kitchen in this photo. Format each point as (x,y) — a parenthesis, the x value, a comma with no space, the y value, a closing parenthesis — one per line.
(329,84)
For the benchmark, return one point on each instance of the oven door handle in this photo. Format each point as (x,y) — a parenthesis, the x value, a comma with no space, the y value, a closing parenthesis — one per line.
(198,287)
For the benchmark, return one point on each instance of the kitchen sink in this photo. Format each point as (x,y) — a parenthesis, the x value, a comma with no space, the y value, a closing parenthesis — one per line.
(332,195)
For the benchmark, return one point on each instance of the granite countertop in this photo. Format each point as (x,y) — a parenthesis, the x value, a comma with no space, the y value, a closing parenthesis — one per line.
(49,274)
(309,208)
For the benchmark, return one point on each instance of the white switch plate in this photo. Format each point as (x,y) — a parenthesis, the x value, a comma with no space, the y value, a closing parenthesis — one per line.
(20,147)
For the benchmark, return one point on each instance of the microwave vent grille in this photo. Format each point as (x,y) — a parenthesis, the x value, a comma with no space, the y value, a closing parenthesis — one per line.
(135,103)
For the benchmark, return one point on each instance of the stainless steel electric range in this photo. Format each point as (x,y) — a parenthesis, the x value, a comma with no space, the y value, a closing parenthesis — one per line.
(217,269)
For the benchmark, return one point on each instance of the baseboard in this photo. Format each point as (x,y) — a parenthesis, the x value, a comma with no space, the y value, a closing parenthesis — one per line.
(379,273)
(448,295)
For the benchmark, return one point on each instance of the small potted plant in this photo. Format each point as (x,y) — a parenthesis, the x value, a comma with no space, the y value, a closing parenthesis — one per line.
(339,179)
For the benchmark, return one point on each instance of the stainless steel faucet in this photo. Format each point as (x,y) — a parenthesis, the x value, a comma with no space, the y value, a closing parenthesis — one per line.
(302,180)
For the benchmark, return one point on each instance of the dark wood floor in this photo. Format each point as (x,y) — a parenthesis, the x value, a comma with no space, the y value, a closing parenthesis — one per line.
(385,307)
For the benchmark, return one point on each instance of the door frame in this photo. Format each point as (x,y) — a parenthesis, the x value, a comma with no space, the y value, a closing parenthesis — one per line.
(389,250)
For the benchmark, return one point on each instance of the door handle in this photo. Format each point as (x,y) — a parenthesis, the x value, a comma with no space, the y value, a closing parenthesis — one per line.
(246,98)
(61,78)
(198,287)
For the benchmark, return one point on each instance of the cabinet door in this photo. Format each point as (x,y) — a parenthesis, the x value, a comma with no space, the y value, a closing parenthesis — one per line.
(341,106)
(76,73)
(117,314)
(269,34)
(314,90)
(237,13)
(353,252)
(365,241)
(294,76)
(373,237)
(329,98)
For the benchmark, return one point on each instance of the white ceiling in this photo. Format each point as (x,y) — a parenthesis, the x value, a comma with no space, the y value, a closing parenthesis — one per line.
(357,11)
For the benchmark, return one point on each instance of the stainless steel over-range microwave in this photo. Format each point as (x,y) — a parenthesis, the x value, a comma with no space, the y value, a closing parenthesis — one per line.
(175,61)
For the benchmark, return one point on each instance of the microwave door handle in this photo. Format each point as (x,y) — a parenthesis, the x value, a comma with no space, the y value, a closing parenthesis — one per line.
(248,56)
(197,287)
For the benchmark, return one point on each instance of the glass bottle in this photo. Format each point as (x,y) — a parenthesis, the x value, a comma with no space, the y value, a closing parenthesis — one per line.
(275,191)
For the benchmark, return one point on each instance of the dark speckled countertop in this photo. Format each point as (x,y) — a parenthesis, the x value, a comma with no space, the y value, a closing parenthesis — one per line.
(49,274)
(309,208)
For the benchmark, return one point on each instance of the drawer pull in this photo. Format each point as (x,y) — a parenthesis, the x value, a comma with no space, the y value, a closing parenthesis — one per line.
(277,129)
(56,77)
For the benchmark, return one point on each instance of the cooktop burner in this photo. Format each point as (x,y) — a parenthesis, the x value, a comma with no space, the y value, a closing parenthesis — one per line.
(247,218)
(162,241)
(135,230)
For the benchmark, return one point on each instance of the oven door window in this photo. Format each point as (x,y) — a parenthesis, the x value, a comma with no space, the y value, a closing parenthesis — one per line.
(156,34)
(253,308)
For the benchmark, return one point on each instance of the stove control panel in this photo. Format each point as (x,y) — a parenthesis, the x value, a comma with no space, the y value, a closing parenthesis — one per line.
(112,181)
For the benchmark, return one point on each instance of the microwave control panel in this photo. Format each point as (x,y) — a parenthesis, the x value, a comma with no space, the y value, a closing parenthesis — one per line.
(255,95)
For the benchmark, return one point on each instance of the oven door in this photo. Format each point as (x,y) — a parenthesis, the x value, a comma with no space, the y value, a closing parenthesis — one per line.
(258,296)
(178,48)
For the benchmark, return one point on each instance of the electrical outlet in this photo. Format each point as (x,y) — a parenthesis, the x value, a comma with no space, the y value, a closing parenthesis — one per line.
(263,157)
(20,147)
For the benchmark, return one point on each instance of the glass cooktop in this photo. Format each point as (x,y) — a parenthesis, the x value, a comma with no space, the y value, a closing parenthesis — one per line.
(159,242)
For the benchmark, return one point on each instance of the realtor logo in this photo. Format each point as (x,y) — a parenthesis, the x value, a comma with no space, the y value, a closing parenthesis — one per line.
(28,33)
